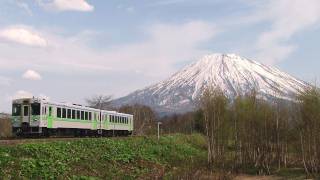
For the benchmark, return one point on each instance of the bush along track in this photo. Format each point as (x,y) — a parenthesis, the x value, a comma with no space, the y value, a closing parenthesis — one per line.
(101,158)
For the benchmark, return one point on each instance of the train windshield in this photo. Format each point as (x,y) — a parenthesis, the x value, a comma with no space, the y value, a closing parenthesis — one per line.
(35,108)
(16,109)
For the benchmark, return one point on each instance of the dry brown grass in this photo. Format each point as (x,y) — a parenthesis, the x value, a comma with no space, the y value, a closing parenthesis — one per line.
(5,127)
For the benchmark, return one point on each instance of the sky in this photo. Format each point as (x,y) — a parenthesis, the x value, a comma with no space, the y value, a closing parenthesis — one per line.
(69,50)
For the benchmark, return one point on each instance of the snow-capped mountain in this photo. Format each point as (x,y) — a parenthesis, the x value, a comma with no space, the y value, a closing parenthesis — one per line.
(233,74)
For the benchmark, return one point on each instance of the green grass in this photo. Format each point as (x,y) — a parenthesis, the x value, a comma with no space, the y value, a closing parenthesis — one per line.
(101,158)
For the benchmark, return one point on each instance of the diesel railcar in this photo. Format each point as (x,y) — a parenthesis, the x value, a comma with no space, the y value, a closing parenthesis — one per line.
(40,117)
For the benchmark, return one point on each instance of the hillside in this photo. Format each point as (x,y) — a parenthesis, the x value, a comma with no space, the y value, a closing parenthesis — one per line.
(235,75)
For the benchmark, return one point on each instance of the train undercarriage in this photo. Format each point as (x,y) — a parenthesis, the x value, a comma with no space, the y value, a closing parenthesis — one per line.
(26,131)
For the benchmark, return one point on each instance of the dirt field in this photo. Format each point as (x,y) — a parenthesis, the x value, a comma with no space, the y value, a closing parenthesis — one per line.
(5,128)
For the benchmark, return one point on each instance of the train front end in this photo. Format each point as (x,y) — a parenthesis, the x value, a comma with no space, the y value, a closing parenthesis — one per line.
(26,117)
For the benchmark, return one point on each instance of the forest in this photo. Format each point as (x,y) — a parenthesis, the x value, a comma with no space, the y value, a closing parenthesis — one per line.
(252,135)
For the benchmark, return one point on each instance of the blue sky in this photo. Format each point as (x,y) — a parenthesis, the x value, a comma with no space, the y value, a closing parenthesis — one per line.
(71,49)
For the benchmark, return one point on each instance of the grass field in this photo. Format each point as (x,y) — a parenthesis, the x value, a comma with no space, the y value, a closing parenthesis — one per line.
(128,158)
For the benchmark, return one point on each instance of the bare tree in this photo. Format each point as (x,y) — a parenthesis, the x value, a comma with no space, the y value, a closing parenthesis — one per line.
(102,102)
(214,107)
(5,127)
(144,118)
(309,128)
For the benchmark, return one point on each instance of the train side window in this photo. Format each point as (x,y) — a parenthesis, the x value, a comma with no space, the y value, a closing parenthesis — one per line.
(78,115)
(82,115)
(58,112)
(35,109)
(73,114)
(69,113)
(64,113)
(86,115)
(90,116)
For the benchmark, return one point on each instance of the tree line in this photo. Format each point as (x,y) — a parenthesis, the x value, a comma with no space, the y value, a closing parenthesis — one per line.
(252,133)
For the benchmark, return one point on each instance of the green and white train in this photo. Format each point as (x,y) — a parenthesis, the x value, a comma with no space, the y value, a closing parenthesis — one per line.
(35,116)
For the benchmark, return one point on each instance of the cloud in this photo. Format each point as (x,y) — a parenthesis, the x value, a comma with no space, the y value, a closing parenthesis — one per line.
(31,75)
(22,35)
(167,44)
(22,94)
(67,5)
(24,6)
(164,46)
(287,18)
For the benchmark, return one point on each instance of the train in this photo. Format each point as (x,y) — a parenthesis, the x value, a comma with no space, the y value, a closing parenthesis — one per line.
(41,117)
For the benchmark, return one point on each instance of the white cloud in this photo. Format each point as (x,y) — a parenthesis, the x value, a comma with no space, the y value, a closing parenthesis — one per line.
(164,46)
(22,35)
(24,6)
(287,18)
(31,75)
(22,94)
(67,5)
(167,45)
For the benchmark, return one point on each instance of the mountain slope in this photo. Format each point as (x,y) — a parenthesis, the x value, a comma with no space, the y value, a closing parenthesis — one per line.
(233,74)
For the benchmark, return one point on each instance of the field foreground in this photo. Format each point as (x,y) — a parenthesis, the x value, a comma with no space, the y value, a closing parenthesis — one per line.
(173,156)
(129,158)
